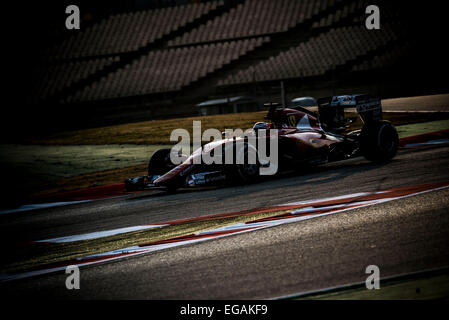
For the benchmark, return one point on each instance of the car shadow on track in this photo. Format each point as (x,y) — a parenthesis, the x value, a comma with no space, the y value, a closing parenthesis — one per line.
(312,176)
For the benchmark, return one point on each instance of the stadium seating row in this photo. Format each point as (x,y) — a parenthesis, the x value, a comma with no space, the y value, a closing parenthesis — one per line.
(317,55)
(385,60)
(254,18)
(339,14)
(355,9)
(167,70)
(129,31)
(55,77)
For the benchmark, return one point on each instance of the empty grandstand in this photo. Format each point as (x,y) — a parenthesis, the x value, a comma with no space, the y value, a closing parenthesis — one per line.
(161,58)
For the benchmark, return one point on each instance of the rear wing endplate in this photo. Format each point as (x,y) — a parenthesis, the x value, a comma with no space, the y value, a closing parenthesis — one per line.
(368,107)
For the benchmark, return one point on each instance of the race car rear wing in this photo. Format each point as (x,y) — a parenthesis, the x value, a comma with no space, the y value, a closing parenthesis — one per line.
(368,107)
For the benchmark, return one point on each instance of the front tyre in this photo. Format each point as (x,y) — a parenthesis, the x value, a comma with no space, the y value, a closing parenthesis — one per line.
(160,162)
(379,141)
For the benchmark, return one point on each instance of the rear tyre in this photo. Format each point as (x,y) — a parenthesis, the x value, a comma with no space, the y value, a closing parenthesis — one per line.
(379,141)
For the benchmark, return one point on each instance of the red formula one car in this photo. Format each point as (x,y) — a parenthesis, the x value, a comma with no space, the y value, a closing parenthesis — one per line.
(303,138)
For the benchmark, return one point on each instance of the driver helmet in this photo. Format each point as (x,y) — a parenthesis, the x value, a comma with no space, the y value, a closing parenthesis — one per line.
(261,125)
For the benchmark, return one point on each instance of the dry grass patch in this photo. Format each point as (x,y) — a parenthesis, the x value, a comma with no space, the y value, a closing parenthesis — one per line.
(148,132)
